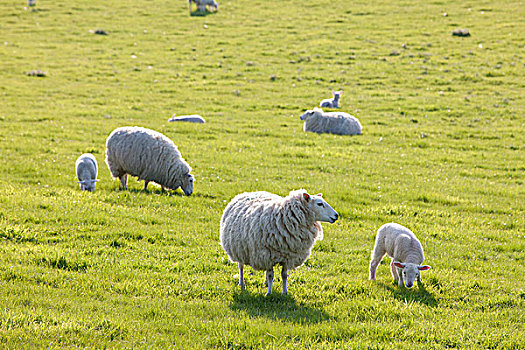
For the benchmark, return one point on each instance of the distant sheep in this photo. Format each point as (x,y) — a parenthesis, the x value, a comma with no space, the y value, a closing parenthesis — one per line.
(193,118)
(87,170)
(150,156)
(339,123)
(203,4)
(261,229)
(405,250)
(332,102)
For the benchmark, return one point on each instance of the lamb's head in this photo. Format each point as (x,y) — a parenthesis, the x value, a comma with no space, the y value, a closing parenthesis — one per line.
(411,272)
(337,94)
(88,185)
(214,4)
(187,184)
(310,113)
(320,208)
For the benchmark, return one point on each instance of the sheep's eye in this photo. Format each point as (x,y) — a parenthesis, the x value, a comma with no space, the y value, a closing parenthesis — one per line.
(320,204)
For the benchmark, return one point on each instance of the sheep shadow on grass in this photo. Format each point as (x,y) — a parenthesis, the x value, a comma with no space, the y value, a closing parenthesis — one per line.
(417,294)
(277,307)
(153,190)
(198,13)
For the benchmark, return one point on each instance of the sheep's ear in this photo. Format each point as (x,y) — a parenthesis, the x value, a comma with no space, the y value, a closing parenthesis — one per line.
(319,194)
(306,196)
(423,268)
(398,264)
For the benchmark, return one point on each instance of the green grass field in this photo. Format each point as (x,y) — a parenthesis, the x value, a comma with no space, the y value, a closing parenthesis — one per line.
(442,153)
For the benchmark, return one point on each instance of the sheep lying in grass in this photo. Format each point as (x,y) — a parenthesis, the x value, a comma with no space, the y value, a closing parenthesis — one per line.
(405,250)
(261,229)
(87,170)
(149,155)
(202,5)
(331,122)
(193,118)
(332,102)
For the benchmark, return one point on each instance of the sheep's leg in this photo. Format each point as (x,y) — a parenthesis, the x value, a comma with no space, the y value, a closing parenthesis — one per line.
(241,275)
(377,256)
(284,276)
(372,269)
(393,270)
(146,185)
(124,181)
(269,279)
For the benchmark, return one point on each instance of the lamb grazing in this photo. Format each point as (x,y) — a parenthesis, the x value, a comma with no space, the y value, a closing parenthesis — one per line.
(332,102)
(87,171)
(405,250)
(193,118)
(339,123)
(261,229)
(150,156)
(203,4)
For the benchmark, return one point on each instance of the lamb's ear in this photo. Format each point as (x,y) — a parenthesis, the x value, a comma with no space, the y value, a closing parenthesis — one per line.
(398,264)
(306,196)
(423,268)
(319,194)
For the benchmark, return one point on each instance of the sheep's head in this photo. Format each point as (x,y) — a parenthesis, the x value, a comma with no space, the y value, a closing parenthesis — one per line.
(187,184)
(321,209)
(311,112)
(88,185)
(411,272)
(337,94)
(215,4)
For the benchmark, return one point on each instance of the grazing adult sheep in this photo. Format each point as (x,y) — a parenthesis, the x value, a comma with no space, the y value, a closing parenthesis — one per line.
(193,118)
(405,250)
(262,229)
(150,156)
(332,102)
(203,4)
(339,123)
(87,170)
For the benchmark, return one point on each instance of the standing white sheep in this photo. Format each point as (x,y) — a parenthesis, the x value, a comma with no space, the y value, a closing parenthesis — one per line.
(261,229)
(332,102)
(150,156)
(339,123)
(202,4)
(87,170)
(405,250)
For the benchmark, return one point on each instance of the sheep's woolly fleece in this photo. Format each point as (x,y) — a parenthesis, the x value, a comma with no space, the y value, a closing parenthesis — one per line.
(331,122)
(147,154)
(261,229)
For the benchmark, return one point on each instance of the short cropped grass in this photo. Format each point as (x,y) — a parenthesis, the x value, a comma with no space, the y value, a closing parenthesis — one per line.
(442,152)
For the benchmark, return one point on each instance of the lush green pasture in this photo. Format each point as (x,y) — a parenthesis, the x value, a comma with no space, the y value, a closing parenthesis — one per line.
(442,152)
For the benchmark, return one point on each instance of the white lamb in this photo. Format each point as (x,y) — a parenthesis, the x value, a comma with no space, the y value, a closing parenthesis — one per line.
(405,250)
(87,170)
(261,229)
(339,123)
(202,4)
(192,118)
(150,156)
(332,102)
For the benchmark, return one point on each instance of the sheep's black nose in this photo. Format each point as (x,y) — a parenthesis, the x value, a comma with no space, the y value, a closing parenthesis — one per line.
(336,216)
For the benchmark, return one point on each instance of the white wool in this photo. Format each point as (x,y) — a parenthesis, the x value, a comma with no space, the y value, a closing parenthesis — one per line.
(87,170)
(261,229)
(192,118)
(150,156)
(331,122)
(403,247)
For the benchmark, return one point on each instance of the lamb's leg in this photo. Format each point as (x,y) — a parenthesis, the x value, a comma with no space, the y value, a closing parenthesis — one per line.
(269,279)
(393,270)
(377,256)
(284,276)
(146,185)
(241,275)
(124,181)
